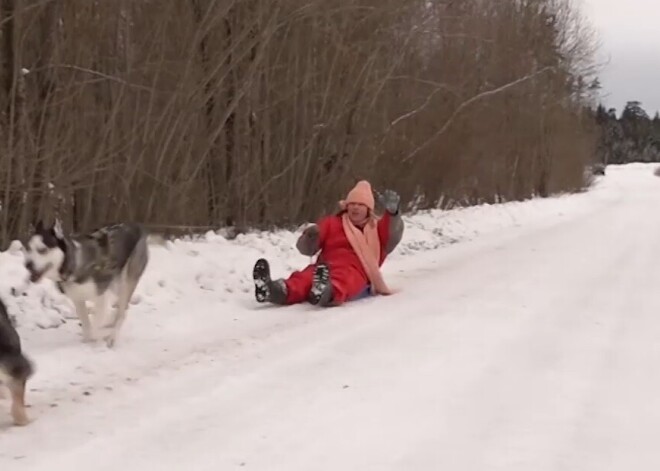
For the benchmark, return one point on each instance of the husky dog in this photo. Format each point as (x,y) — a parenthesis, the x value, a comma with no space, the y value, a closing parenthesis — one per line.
(15,368)
(91,267)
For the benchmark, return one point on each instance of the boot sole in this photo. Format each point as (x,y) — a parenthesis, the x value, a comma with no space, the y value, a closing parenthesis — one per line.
(320,285)
(261,277)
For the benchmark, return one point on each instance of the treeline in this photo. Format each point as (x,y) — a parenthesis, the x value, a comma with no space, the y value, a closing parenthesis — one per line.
(203,113)
(631,137)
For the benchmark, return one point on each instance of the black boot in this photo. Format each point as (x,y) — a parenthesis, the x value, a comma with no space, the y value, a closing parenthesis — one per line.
(266,289)
(321,292)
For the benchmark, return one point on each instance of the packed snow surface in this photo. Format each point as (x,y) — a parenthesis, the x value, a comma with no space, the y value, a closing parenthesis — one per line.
(523,336)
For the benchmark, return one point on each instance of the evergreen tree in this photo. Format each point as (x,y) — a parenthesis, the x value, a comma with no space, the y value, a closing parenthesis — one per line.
(634,137)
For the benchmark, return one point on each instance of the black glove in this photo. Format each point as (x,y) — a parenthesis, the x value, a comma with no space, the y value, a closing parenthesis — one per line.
(390,200)
(311,231)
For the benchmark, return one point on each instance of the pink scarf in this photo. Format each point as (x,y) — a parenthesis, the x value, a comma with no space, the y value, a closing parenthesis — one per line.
(366,245)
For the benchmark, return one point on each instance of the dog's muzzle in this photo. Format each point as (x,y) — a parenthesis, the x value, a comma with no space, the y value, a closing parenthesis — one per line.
(35,275)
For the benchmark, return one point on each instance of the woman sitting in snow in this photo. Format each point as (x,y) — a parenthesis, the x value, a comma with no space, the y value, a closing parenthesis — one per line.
(353,246)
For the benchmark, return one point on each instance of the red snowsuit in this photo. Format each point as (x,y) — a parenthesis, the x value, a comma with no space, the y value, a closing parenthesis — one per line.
(347,275)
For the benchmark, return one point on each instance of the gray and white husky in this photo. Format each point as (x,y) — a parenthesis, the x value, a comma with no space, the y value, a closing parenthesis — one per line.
(91,267)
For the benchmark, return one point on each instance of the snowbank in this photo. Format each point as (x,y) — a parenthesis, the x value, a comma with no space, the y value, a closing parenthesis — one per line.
(213,266)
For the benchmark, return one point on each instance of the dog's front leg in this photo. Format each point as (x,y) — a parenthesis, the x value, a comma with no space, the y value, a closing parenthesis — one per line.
(83,315)
(123,299)
(101,311)
(17,388)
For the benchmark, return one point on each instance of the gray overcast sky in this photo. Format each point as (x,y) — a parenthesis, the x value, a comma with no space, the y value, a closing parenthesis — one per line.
(629,34)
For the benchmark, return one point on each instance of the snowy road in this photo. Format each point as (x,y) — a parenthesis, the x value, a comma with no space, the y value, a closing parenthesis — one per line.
(529,348)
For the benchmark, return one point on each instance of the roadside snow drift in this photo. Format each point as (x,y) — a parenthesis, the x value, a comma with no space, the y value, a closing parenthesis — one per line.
(220,270)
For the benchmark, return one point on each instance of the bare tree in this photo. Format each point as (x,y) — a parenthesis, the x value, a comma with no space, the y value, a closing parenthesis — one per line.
(263,112)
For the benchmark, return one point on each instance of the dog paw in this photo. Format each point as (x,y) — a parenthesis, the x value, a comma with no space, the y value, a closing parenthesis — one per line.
(88,335)
(110,337)
(20,418)
(21,422)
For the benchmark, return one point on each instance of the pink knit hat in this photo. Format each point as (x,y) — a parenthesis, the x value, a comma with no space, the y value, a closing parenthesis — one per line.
(362,194)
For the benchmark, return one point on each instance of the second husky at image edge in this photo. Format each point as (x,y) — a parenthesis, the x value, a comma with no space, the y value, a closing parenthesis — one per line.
(15,367)
(91,267)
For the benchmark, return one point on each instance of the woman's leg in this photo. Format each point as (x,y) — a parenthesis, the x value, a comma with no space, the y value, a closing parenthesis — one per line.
(298,285)
(290,291)
(332,287)
(316,284)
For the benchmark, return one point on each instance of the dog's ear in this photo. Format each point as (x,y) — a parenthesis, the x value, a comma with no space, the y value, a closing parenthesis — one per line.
(39,227)
(57,229)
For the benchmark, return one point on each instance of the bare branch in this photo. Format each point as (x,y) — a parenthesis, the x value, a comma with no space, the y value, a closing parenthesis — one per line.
(469,102)
(95,73)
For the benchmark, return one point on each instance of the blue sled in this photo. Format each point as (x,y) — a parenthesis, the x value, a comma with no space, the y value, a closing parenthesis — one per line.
(362,294)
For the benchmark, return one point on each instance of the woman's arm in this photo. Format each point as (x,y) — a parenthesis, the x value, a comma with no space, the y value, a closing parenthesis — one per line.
(312,238)
(392,222)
